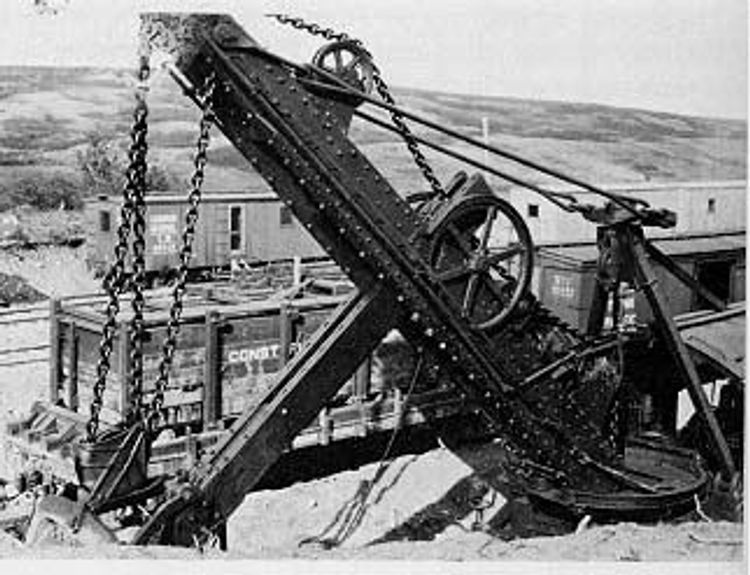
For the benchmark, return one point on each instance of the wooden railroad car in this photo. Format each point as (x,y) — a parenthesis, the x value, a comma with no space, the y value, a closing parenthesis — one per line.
(232,342)
(234,228)
(565,275)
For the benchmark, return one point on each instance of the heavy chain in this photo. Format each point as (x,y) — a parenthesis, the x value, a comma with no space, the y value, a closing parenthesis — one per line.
(188,235)
(114,280)
(380,86)
(136,331)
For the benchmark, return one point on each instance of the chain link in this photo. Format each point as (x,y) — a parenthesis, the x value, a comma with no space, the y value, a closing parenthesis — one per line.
(115,280)
(188,235)
(136,328)
(383,91)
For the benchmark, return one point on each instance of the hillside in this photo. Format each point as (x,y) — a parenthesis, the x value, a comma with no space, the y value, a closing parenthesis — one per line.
(47,115)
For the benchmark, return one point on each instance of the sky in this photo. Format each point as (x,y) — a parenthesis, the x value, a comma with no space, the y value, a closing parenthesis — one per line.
(683,56)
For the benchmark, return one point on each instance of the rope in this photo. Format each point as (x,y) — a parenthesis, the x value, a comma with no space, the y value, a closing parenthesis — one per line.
(351,514)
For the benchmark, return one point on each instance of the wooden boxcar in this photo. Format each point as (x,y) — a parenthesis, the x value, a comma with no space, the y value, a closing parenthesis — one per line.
(239,227)
(565,275)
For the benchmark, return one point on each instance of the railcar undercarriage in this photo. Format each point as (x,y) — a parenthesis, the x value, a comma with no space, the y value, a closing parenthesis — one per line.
(450,269)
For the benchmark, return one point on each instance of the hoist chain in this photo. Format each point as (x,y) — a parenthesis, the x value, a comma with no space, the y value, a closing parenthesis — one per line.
(136,328)
(380,86)
(188,235)
(115,279)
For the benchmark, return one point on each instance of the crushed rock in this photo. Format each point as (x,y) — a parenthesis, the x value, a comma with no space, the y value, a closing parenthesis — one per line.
(14,289)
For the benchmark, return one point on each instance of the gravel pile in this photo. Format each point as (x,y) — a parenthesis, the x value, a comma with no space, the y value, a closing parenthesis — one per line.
(14,290)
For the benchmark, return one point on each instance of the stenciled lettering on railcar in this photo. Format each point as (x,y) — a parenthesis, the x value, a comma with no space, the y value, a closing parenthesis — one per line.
(252,354)
(562,287)
(162,231)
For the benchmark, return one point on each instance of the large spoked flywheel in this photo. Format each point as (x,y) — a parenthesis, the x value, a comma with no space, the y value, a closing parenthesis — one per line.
(483,254)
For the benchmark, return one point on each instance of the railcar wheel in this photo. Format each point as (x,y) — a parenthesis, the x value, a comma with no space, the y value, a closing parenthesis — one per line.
(483,254)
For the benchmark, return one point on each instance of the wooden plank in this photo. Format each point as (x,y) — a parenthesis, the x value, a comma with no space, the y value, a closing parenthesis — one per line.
(73,379)
(123,369)
(55,373)
(212,396)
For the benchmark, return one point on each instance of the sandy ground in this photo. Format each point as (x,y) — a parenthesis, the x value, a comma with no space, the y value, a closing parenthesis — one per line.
(290,523)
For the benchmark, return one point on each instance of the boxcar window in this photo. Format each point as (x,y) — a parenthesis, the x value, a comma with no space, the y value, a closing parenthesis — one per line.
(533,211)
(711,205)
(235,228)
(285,216)
(105,222)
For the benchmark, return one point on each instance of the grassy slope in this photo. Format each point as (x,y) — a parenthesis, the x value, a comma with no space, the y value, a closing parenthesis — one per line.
(46,114)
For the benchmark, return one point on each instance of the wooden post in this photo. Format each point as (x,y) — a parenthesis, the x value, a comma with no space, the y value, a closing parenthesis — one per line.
(361,389)
(398,406)
(123,368)
(212,371)
(296,271)
(73,376)
(362,379)
(324,422)
(55,355)
(288,316)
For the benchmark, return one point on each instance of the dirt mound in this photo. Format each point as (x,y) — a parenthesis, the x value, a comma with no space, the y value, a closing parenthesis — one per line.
(14,289)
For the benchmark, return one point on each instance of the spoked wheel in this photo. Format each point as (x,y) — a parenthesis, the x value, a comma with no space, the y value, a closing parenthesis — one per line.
(350,62)
(482,253)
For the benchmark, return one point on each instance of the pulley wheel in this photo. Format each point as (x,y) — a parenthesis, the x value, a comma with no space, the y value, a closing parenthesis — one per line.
(349,61)
(483,255)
